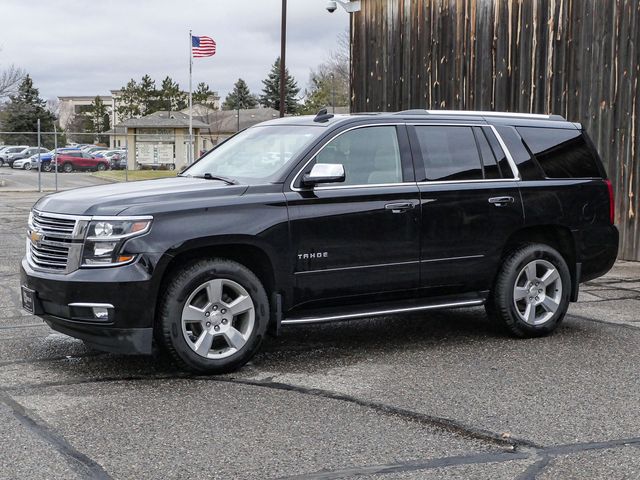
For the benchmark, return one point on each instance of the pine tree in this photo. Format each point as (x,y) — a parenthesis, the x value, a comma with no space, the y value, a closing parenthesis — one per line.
(271,92)
(129,101)
(148,96)
(171,97)
(240,97)
(201,94)
(98,120)
(22,113)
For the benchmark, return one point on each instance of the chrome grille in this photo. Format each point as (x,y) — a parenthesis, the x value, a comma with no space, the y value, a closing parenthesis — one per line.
(51,241)
(56,227)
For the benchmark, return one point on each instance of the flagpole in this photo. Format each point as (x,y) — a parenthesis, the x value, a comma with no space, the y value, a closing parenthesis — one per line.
(190,152)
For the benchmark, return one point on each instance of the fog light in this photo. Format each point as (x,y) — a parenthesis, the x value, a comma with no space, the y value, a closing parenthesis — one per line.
(100,313)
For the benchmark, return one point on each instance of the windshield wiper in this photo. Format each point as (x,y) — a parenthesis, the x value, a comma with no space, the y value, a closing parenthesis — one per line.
(227,180)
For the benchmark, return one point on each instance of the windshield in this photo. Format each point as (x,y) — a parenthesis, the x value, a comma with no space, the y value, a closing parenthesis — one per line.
(256,154)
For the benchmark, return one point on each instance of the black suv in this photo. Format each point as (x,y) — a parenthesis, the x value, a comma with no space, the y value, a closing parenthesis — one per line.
(317,219)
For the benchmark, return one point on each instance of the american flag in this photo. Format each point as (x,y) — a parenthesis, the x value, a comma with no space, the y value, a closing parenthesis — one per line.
(202,46)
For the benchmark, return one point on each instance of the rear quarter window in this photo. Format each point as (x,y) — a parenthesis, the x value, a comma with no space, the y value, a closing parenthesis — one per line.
(561,153)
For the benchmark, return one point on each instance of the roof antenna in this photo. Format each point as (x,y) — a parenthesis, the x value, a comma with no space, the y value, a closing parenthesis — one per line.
(322,116)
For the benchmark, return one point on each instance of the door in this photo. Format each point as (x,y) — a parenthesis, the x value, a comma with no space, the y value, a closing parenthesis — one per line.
(361,236)
(470,205)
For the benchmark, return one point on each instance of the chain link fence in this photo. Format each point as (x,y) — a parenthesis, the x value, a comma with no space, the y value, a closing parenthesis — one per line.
(50,154)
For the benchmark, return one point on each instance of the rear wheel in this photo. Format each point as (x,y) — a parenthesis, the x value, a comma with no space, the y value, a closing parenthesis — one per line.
(67,168)
(531,294)
(213,316)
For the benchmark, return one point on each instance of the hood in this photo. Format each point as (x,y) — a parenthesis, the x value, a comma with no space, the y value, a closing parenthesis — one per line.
(145,197)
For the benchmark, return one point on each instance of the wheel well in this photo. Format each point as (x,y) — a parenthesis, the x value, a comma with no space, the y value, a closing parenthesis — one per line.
(559,238)
(250,256)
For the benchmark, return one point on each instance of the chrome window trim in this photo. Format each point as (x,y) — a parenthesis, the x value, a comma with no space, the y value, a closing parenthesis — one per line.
(503,146)
(507,153)
(338,187)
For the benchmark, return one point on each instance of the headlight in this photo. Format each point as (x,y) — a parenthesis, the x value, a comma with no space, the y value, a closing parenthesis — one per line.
(105,239)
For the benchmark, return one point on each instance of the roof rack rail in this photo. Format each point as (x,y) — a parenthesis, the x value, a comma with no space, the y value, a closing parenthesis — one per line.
(481,114)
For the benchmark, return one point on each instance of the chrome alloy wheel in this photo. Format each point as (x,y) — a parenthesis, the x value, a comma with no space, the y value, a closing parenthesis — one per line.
(537,292)
(218,318)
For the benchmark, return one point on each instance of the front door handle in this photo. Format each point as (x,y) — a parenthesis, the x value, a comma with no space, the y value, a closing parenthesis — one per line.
(501,201)
(399,207)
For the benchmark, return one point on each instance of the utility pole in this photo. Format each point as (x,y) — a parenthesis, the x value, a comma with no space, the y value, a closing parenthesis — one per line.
(283,44)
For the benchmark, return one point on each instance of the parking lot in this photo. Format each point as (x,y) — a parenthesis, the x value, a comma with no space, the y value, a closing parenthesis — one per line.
(23,180)
(438,395)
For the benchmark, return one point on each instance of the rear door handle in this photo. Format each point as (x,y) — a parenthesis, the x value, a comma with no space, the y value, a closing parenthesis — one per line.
(501,201)
(399,207)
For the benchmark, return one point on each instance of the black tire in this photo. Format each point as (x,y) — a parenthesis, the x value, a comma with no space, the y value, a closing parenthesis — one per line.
(100,167)
(46,167)
(27,166)
(174,298)
(501,306)
(67,168)
(1,163)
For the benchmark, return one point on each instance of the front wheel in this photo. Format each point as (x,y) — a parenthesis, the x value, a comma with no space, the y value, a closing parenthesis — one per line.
(46,167)
(101,167)
(531,293)
(27,166)
(213,316)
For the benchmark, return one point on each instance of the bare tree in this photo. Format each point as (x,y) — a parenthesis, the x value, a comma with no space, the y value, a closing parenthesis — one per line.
(339,58)
(10,78)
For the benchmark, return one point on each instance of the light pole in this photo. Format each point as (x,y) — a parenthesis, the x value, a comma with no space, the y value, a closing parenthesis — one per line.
(283,51)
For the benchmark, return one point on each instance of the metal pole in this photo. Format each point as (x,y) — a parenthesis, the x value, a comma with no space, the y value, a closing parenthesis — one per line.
(283,44)
(39,164)
(333,93)
(190,152)
(126,147)
(238,119)
(54,157)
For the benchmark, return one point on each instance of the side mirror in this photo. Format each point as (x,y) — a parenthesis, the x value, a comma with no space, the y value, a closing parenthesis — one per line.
(324,173)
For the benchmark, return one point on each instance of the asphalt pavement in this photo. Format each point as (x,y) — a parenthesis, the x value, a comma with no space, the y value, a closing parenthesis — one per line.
(16,180)
(423,396)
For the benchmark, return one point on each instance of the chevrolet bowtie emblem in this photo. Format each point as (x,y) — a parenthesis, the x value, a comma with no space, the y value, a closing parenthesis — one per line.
(35,237)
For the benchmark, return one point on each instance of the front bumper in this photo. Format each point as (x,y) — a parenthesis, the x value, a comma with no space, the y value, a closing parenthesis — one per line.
(129,291)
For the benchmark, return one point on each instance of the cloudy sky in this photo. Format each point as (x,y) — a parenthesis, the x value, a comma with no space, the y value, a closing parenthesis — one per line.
(88,47)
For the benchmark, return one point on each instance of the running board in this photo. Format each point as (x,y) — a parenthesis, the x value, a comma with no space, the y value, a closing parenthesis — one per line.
(380,311)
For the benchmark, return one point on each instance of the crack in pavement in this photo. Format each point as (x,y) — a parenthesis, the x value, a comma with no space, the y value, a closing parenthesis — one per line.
(543,456)
(519,449)
(78,460)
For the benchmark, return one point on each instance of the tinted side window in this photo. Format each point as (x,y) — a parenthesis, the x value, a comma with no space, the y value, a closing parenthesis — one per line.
(370,155)
(449,153)
(561,153)
(491,169)
(526,166)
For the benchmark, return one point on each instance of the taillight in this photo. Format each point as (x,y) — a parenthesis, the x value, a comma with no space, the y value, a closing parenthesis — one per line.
(612,202)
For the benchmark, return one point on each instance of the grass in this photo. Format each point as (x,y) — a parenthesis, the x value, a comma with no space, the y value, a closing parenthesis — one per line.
(133,175)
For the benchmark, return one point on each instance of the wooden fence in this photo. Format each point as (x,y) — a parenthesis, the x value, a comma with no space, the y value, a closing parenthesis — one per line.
(576,58)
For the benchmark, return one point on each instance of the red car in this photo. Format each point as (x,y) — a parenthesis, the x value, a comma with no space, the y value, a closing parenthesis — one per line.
(70,161)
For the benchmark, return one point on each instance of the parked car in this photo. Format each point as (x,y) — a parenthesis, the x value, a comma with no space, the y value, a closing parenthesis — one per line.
(46,159)
(77,160)
(7,154)
(366,216)
(24,154)
(27,163)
